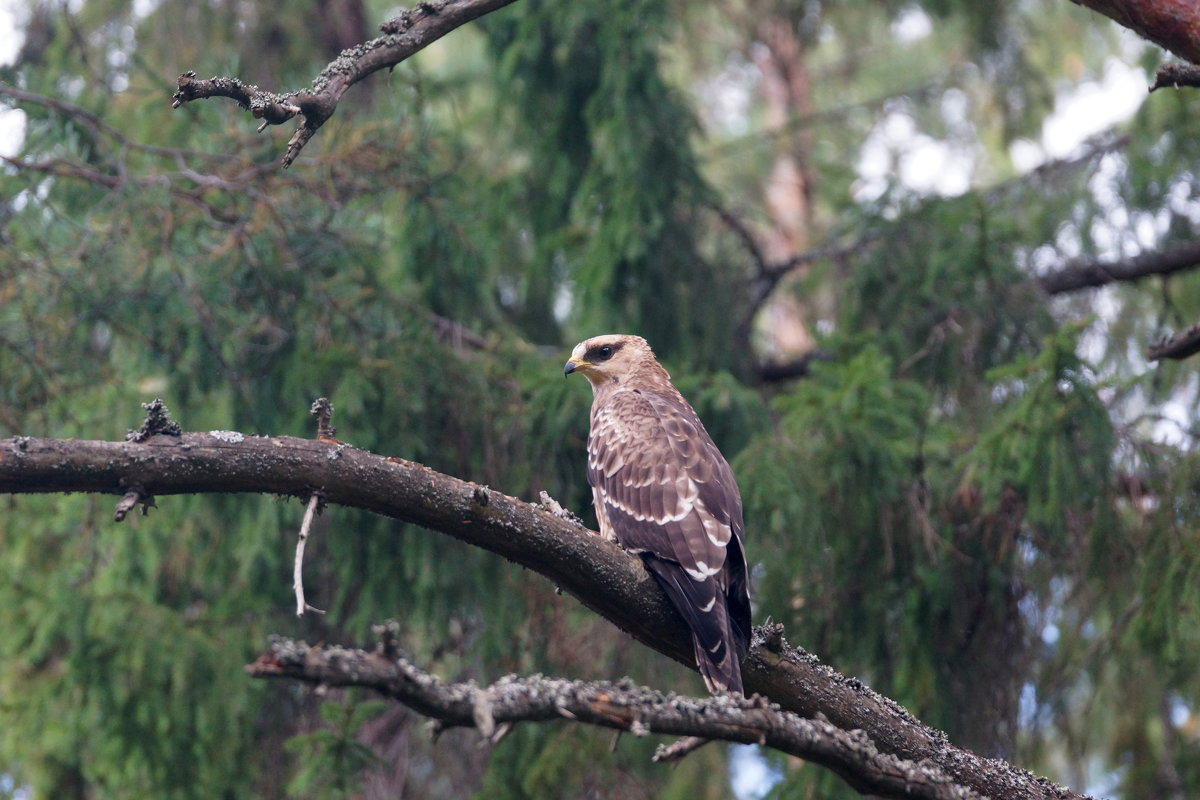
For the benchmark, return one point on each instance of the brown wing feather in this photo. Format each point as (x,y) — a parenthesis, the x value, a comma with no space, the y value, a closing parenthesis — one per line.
(662,489)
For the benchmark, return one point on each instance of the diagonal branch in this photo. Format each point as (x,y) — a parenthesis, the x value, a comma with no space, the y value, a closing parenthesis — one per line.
(1079,274)
(622,706)
(603,577)
(1172,24)
(402,37)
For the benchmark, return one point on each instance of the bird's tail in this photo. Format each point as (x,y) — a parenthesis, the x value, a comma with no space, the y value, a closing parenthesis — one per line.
(718,661)
(703,607)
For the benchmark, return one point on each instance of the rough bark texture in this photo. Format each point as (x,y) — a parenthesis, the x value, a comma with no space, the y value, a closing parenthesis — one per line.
(1173,24)
(623,706)
(602,576)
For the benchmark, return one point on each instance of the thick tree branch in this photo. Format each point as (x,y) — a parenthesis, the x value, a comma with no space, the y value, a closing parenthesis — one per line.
(1079,274)
(402,37)
(606,579)
(622,706)
(1173,24)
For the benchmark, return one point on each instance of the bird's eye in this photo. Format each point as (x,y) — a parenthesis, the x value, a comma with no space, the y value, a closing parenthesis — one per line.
(606,352)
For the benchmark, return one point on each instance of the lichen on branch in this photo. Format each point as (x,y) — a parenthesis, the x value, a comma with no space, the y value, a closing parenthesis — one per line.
(621,705)
(402,37)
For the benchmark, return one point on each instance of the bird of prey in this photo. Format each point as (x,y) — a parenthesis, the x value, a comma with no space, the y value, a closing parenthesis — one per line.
(662,489)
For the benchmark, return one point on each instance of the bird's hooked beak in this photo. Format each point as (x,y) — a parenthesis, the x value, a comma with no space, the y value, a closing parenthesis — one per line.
(573,364)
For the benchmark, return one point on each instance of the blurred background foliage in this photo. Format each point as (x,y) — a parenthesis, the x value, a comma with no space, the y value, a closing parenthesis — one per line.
(829,220)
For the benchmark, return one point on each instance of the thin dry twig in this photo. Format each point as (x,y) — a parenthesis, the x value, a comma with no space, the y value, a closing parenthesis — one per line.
(298,565)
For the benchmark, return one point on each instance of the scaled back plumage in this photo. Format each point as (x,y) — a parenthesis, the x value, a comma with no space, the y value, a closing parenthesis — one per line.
(662,489)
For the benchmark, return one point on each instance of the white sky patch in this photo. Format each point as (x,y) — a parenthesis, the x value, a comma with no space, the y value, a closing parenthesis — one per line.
(10,38)
(912,25)
(12,121)
(12,131)
(725,98)
(1083,111)
(752,777)
(144,8)
(1174,425)
(896,149)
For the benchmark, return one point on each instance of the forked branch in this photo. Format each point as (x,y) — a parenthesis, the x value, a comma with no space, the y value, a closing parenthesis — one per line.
(622,706)
(402,37)
(603,577)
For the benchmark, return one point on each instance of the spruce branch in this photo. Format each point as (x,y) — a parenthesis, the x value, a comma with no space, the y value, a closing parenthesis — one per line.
(606,579)
(622,706)
(402,37)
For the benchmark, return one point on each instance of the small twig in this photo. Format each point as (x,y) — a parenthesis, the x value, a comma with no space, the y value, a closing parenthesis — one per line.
(130,500)
(388,633)
(322,409)
(298,566)
(743,232)
(555,508)
(1172,76)
(679,749)
(158,421)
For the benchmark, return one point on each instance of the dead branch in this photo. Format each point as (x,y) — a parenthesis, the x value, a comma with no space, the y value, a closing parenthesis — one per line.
(623,706)
(1079,274)
(1177,345)
(603,577)
(310,511)
(1173,76)
(403,36)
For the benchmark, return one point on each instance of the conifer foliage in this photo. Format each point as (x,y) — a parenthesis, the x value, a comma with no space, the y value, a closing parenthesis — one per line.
(965,483)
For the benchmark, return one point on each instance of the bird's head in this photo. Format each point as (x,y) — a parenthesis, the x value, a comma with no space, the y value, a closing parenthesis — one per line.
(611,358)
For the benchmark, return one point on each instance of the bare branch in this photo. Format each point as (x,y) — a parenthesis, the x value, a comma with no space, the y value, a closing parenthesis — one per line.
(603,577)
(771,275)
(622,706)
(1176,346)
(298,563)
(407,34)
(1079,274)
(1173,76)
(130,500)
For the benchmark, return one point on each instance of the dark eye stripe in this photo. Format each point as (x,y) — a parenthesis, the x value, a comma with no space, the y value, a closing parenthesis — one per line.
(601,352)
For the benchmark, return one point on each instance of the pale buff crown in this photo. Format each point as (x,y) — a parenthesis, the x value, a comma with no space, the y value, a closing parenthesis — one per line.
(616,359)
